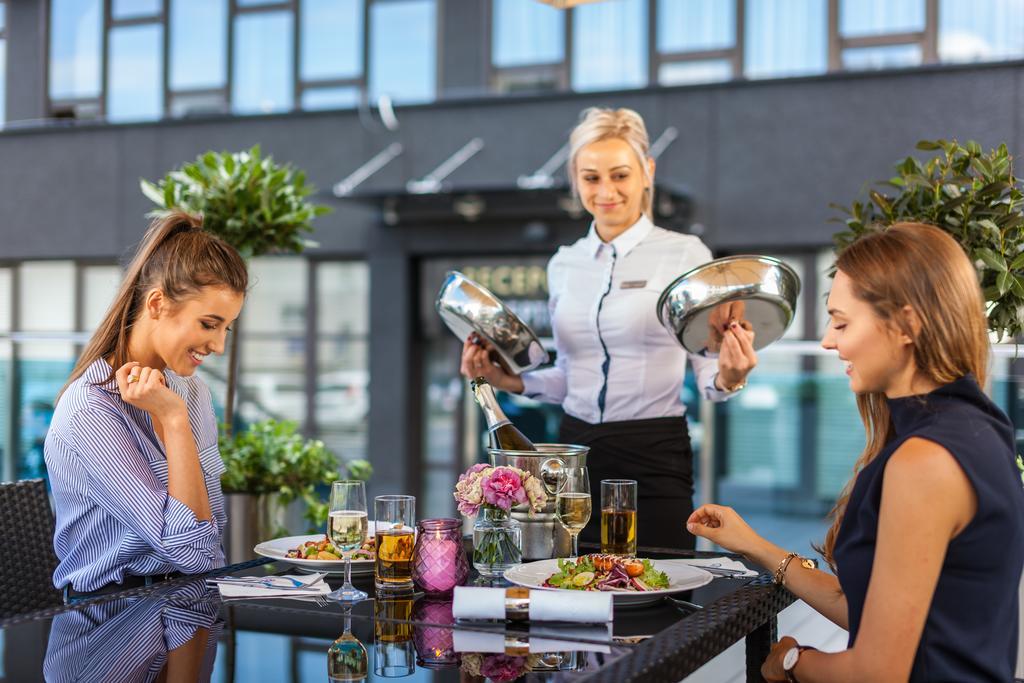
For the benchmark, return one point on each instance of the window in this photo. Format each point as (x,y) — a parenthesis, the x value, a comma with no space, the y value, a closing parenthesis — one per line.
(880,17)
(3,62)
(785,38)
(263,78)
(697,41)
(981,31)
(100,285)
(342,375)
(133,9)
(135,89)
(76,31)
(610,45)
(198,35)
(526,33)
(879,34)
(403,37)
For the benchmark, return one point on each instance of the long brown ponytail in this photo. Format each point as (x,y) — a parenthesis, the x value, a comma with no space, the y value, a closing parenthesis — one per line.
(177,256)
(921,266)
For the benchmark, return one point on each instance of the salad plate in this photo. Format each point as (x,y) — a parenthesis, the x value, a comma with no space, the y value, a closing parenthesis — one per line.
(652,582)
(278,549)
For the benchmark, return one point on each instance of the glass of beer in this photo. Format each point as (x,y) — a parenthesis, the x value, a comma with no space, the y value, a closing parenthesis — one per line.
(396,521)
(572,503)
(618,516)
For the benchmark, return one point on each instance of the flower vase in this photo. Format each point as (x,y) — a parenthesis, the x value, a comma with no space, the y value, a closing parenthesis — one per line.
(497,542)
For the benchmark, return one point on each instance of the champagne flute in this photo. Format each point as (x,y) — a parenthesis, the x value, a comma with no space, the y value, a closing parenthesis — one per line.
(572,503)
(346,526)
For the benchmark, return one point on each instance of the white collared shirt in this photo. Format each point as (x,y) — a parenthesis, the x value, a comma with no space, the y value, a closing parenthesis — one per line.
(615,360)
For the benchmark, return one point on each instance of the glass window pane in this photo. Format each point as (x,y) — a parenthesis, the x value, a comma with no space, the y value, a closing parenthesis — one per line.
(332,39)
(277,297)
(622,23)
(343,395)
(3,84)
(873,17)
(255,3)
(135,90)
(198,104)
(263,63)
(785,38)
(100,284)
(527,33)
(888,57)
(840,433)
(47,296)
(5,300)
(129,9)
(688,25)
(43,368)
(199,38)
(272,375)
(3,16)
(75,28)
(343,293)
(690,72)
(403,37)
(981,31)
(330,98)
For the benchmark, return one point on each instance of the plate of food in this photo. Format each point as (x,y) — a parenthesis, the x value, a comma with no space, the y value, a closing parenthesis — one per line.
(631,581)
(316,553)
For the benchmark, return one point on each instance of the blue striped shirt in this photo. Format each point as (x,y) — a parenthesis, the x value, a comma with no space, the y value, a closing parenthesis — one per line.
(128,640)
(108,472)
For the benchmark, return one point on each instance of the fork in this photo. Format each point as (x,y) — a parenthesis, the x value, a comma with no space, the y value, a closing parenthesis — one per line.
(264,582)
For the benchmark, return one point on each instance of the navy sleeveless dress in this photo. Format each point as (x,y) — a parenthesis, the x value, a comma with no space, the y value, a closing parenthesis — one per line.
(971,630)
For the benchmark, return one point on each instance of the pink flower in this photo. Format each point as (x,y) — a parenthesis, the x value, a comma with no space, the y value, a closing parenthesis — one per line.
(503,488)
(479,467)
(503,667)
(535,492)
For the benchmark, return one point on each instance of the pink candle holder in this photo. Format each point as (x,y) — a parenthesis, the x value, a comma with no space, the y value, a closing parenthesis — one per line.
(439,558)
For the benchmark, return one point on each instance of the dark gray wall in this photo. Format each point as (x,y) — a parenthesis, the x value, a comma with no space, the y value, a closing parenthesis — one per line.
(761,159)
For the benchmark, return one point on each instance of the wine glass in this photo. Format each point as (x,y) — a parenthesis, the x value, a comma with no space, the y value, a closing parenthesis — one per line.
(346,526)
(572,503)
(346,658)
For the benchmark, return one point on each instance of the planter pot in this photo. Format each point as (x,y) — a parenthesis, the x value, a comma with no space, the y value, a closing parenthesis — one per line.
(253,519)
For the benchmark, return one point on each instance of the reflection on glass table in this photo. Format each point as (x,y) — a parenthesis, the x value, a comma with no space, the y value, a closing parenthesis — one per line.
(346,658)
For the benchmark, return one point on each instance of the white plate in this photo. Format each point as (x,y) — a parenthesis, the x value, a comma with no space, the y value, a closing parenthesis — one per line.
(278,548)
(681,577)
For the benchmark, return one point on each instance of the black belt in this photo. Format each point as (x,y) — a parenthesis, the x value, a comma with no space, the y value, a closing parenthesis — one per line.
(129,581)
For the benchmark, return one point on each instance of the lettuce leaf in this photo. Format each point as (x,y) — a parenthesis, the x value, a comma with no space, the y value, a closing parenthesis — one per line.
(652,577)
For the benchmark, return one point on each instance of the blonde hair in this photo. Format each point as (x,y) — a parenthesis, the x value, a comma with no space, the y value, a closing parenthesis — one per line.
(601,123)
(921,266)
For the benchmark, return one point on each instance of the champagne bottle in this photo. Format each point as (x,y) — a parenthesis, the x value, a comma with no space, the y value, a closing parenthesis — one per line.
(501,433)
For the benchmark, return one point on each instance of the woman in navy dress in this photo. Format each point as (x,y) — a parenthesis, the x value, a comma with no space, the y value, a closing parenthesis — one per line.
(927,542)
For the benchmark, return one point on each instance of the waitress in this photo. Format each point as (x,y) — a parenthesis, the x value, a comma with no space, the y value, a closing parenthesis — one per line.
(618,373)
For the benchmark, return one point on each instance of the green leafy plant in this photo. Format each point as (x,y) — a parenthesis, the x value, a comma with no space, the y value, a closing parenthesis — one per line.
(271,457)
(973,195)
(251,202)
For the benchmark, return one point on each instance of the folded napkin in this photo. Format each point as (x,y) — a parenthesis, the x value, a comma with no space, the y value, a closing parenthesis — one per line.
(471,602)
(562,639)
(271,586)
(712,563)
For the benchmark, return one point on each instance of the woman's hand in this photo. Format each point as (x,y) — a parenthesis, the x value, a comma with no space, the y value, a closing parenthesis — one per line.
(146,388)
(737,357)
(724,526)
(772,670)
(476,362)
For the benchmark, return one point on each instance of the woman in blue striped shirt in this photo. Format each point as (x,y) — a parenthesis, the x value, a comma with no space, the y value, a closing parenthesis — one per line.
(132,449)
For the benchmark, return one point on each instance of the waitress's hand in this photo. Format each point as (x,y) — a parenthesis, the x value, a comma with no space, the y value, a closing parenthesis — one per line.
(723,526)
(476,362)
(737,357)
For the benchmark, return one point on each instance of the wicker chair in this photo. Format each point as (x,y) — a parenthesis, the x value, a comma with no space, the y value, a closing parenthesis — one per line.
(27,559)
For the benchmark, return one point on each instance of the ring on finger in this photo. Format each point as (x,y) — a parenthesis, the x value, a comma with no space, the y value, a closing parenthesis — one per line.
(132,379)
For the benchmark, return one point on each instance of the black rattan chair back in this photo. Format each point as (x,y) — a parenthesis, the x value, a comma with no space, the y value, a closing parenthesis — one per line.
(27,559)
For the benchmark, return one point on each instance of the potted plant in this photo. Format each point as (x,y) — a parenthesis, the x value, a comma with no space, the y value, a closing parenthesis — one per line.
(974,196)
(268,466)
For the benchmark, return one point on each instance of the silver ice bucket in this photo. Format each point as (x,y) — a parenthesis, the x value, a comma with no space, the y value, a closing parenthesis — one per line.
(543,536)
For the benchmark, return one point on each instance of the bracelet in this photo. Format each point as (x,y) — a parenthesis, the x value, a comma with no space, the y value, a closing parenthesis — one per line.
(780,573)
(731,389)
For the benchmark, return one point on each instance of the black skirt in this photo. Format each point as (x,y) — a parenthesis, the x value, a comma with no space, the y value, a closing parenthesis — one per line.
(657,454)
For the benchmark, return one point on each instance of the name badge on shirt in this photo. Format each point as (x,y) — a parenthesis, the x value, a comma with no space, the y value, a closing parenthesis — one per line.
(633,284)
